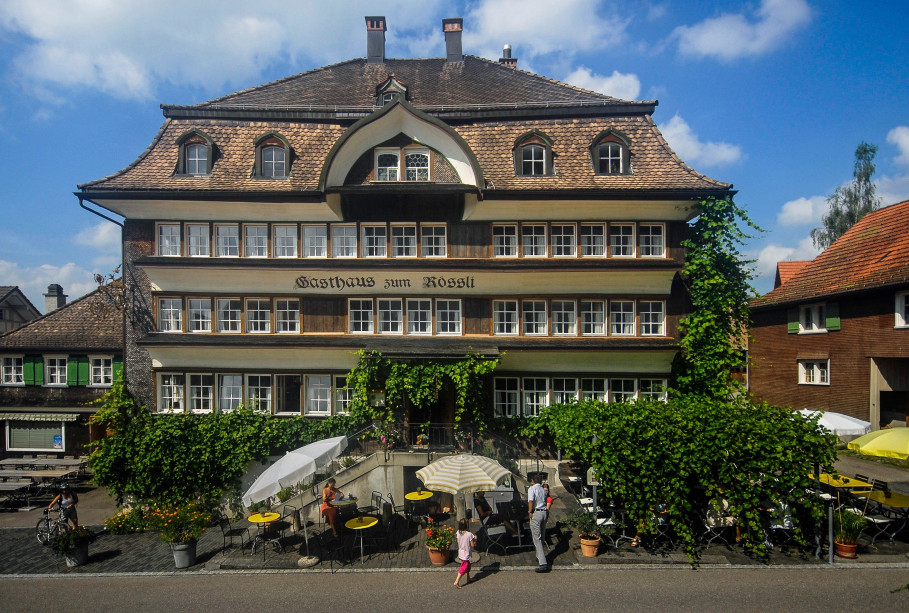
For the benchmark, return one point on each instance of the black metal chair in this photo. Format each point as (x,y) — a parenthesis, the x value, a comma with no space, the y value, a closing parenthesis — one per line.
(336,547)
(375,504)
(229,533)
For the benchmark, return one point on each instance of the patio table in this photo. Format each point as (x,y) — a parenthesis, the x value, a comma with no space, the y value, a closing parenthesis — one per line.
(897,507)
(262,520)
(842,482)
(359,524)
(49,474)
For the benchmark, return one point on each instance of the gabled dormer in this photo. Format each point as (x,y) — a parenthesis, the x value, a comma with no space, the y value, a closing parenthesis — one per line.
(390,90)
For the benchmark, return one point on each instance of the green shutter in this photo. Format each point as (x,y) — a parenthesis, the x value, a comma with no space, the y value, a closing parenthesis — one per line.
(792,321)
(39,369)
(84,371)
(72,371)
(28,370)
(117,367)
(833,315)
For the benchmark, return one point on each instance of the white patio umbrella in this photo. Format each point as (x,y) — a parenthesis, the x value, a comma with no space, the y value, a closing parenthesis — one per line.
(839,424)
(296,466)
(463,474)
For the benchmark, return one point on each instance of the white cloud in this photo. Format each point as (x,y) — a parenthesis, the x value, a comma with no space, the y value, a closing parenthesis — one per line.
(802,211)
(733,36)
(103,236)
(692,150)
(617,85)
(771,254)
(899,136)
(33,281)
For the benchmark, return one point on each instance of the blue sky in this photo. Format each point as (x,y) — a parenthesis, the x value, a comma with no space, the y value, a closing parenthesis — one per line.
(771,95)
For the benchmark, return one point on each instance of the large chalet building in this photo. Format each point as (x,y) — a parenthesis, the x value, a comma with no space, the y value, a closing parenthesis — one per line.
(834,332)
(422,208)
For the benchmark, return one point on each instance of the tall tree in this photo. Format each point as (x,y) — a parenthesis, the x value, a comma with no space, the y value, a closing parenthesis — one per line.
(850,202)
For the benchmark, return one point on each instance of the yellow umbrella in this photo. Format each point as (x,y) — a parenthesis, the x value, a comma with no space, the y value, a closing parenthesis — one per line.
(888,443)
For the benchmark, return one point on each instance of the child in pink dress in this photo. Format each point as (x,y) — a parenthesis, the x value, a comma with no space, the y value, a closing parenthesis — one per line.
(466,541)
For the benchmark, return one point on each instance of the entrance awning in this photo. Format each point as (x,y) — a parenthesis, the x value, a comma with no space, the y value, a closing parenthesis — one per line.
(39,416)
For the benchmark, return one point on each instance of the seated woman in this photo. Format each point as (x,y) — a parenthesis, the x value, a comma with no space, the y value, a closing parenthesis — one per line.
(484,512)
(329,511)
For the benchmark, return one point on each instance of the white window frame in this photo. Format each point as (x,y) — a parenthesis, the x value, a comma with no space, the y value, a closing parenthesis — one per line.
(564,320)
(594,388)
(652,314)
(390,316)
(419,316)
(609,153)
(621,240)
(388,173)
(198,315)
(901,310)
(563,240)
(168,240)
(13,424)
(318,395)
(504,241)
(564,390)
(255,243)
(652,244)
(342,395)
(255,323)
(227,240)
(373,241)
(814,372)
(652,388)
(535,395)
(536,158)
(171,392)
(284,240)
(198,240)
(433,240)
(364,321)
(621,320)
(592,240)
(417,173)
(593,317)
(315,241)
(201,392)
(170,319)
(344,241)
(13,370)
(507,396)
(448,317)
(537,325)
(230,395)
(813,318)
(279,383)
(404,240)
(505,319)
(616,395)
(255,399)
(287,316)
(273,168)
(196,159)
(233,326)
(533,244)
(55,367)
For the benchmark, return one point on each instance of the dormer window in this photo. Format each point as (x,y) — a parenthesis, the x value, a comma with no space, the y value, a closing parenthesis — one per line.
(416,166)
(196,154)
(388,164)
(533,155)
(390,90)
(272,157)
(611,154)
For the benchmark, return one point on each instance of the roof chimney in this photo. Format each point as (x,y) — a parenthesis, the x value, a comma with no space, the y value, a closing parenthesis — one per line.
(506,58)
(375,40)
(453,28)
(54,298)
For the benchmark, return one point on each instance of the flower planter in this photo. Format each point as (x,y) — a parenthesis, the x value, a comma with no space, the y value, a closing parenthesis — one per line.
(184,553)
(844,551)
(77,556)
(590,545)
(439,557)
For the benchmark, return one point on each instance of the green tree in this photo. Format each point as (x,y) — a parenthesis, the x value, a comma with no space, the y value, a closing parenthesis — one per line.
(850,202)
(719,285)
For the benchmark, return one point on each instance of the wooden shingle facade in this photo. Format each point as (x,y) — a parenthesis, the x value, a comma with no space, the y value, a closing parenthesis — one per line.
(834,332)
(423,208)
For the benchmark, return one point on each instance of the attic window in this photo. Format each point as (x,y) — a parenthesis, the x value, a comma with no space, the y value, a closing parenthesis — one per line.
(389,97)
(611,154)
(388,164)
(195,154)
(533,155)
(272,157)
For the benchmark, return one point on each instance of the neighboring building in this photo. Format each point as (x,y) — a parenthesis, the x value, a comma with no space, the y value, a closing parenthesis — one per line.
(51,368)
(423,208)
(834,332)
(15,309)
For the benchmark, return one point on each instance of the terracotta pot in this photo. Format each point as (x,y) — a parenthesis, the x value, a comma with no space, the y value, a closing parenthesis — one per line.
(439,557)
(590,545)
(844,551)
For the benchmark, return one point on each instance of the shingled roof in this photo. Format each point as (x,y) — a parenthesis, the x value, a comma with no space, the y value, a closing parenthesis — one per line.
(874,253)
(80,326)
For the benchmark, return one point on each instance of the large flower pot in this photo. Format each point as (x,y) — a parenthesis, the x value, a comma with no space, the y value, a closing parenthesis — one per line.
(439,557)
(590,545)
(844,551)
(184,554)
(77,556)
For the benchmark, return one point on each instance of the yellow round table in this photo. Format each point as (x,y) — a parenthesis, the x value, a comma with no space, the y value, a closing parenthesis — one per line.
(418,496)
(358,524)
(262,520)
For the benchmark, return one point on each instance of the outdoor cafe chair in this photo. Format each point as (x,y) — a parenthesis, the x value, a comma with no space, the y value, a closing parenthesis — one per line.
(400,509)
(229,533)
(375,504)
(717,521)
(335,547)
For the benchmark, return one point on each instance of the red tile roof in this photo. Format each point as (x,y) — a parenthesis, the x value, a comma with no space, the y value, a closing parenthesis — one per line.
(873,253)
(787,270)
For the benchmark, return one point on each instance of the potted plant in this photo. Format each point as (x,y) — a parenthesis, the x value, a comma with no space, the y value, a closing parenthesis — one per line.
(73,545)
(585,523)
(438,541)
(463,439)
(181,526)
(847,526)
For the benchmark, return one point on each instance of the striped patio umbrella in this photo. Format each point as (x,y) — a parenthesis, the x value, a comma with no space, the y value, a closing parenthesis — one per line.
(463,474)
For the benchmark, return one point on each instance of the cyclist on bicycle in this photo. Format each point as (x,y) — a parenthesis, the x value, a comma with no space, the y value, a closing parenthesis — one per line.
(68,500)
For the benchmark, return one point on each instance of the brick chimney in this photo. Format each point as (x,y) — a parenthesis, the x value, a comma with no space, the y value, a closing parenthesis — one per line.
(375,40)
(54,298)
(506,59)
(453,28)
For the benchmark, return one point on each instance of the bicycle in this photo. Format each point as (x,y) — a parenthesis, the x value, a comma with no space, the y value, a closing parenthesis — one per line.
(49,528)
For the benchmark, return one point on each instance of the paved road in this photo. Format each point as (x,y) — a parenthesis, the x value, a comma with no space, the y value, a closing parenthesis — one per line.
(822,590)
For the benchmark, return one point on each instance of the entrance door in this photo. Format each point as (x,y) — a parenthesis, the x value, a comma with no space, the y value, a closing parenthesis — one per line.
(894,407)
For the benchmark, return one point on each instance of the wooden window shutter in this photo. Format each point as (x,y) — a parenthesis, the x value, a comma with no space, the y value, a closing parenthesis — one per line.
(792,321)
(72,371)
(33,370)
(832,310)
(84,370)
(117,369)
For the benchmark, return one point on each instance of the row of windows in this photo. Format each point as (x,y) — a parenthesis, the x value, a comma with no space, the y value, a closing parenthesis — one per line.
(59,370)
(610,154)
(825,317)
(528,240)
(516,396)
(420,316)
(197,156)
